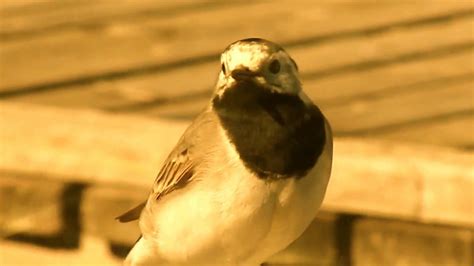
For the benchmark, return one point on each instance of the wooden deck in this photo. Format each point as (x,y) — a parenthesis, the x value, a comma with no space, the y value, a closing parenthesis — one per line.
(396,80)
(402,71)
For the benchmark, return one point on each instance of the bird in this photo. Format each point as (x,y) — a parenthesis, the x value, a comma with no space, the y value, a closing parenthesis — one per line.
(249,174)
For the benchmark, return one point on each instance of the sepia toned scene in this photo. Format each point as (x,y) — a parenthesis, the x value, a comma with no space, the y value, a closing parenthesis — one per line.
(94,96)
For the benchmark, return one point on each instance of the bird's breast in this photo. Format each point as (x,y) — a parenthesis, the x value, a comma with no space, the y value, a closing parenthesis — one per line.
(276,135)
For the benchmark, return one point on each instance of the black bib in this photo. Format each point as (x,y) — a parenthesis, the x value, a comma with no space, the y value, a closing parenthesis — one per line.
(276,135)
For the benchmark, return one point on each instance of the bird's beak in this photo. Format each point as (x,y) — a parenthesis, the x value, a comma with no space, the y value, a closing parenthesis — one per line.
(243,73)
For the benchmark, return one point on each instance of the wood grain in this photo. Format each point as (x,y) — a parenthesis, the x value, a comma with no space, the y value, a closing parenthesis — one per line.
(26,20)
(456,131)
(369,177)
(372,114)
(364,54)
(121,48)
(347,77)
(392,78)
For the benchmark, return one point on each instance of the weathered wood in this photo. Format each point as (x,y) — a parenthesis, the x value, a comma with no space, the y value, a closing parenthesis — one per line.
(184,110)
(390,243)
(48,145)
(7,6)
(135,92)
(174,87)
(396,179)
(391,78)
(403,95)
(93,251)
(24,20)
(380,113)
(176,93)
(100,206)
(345,96)
(406,64)
(456,131)
(38,200)
(392,46)
(369,177)
(121,48)
(317,245)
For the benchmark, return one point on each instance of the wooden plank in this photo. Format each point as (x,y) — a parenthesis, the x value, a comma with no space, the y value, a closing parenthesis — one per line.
(318,245)
(41,17)
(56,147)
(416,97)
(388,242)
(391,78)
(368,176)
(128,92)
(367,114)
(12,6)
(41,201)
(391,71)
(93,251)
(392,46)
(456,131)
(124,48)
(382,83)
(172,86)
(183,110)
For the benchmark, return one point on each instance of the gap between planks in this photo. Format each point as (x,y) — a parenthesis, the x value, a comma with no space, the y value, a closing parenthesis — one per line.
(135,48)
(126,150)
(322,61)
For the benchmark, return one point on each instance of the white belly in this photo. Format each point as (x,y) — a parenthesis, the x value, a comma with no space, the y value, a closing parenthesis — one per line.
(230,218)
(296,207)
(220,219)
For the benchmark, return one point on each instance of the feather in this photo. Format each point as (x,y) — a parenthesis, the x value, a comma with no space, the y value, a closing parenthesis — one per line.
(132,214)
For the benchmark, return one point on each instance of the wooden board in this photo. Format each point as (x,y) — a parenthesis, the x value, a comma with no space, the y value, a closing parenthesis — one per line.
(124,93)
(172,86)
(26,20)
(389,61)
(392,78)
(371,114)
(456,131)
(123,48)
(328,58)
(390,88)
(14,6)
(369,177)
(387,47)
(348,68)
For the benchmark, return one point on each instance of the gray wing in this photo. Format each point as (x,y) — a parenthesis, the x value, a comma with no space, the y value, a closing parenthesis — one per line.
(176,172)
(178,169)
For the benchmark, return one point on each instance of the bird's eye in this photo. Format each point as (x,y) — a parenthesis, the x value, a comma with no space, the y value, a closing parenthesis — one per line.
(223,68)
(274,66)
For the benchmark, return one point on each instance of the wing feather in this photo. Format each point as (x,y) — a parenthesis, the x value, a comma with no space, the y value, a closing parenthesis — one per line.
(178,169)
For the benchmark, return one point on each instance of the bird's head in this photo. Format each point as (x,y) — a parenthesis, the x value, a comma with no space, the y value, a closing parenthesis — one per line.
(259,61)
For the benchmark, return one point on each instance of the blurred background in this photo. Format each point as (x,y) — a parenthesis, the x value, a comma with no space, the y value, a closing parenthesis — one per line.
(94,94)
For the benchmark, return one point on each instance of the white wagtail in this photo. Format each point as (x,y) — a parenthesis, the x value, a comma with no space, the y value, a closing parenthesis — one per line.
(247,177)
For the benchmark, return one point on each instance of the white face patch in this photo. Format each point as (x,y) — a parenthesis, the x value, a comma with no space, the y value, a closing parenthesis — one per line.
(249,55)
(256,56)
